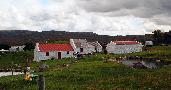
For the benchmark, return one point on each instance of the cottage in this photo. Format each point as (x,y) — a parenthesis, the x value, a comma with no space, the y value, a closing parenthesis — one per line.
(16,48)
(81,46)
(52,51)
(122,47)
(96,44)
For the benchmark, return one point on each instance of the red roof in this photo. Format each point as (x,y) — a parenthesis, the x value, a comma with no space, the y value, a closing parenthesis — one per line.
(55,47)
(126,42)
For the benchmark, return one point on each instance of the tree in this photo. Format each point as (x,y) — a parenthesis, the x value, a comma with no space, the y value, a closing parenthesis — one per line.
(4,46)
(29,46)
(157,36)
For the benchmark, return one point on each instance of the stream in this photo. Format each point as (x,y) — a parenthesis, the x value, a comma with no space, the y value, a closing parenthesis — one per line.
(148,64)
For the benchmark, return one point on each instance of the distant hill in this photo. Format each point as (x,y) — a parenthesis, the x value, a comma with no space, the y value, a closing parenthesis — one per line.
(20,37)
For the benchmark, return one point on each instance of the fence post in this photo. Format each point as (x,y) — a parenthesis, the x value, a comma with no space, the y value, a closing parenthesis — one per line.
(12,68)
(41,82)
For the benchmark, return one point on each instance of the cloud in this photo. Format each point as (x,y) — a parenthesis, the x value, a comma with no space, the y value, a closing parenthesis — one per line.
(109,17)
(150,9)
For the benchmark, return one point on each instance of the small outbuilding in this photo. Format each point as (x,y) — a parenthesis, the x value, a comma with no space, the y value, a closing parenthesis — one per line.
(16,48)
(52,51)
(148,43)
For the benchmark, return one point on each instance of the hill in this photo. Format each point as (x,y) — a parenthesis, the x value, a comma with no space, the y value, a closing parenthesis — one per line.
(20,37)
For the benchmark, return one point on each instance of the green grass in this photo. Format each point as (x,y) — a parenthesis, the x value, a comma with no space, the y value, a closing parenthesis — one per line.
(93,74)
(6,60)
(17,57)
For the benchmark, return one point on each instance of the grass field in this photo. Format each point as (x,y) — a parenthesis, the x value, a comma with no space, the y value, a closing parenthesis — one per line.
(93,73)
(6,60)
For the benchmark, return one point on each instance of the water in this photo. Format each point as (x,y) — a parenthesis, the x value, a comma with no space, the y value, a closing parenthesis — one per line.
(2,74)
(148,64)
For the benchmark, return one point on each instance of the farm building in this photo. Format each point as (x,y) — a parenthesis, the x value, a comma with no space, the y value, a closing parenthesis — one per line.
(81,46)
(16,48)
(122,47)
(96,44)
(50,51)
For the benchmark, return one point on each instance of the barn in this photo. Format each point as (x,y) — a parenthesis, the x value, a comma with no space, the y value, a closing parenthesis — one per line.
(52,51)
(122,47)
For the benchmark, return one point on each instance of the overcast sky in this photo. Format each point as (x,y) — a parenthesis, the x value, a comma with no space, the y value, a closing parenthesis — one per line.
(107,17)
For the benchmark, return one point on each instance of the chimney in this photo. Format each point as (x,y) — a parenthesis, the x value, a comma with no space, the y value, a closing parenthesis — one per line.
(37,46)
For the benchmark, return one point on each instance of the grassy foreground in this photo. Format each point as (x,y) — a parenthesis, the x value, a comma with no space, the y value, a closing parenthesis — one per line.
(93,74)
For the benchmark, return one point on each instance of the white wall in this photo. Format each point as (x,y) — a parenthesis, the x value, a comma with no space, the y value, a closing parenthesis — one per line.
(86,47)
(73,45)
(90,49)
(65,55)
(53,54)
(148,43)
(121,49)
(99,48)
(14,48)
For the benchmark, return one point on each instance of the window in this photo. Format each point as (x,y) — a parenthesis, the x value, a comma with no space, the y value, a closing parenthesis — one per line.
(47,53)
(67,52)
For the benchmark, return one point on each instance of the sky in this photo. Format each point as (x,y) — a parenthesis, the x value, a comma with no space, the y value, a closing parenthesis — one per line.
(104,17)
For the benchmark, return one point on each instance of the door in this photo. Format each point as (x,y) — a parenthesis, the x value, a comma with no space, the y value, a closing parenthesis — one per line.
(81,49)
(59,55)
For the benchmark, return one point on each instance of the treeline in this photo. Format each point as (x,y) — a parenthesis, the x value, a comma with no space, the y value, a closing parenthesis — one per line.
(159,38)
(4,46)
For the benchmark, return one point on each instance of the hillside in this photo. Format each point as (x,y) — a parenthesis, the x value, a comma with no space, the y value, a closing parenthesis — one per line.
(20,37)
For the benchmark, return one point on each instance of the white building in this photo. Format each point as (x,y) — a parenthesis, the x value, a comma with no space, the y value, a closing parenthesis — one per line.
(50,51)
(148,43)
(3,51)
(96,44)
(122,47)
(81,46)
(16,48)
